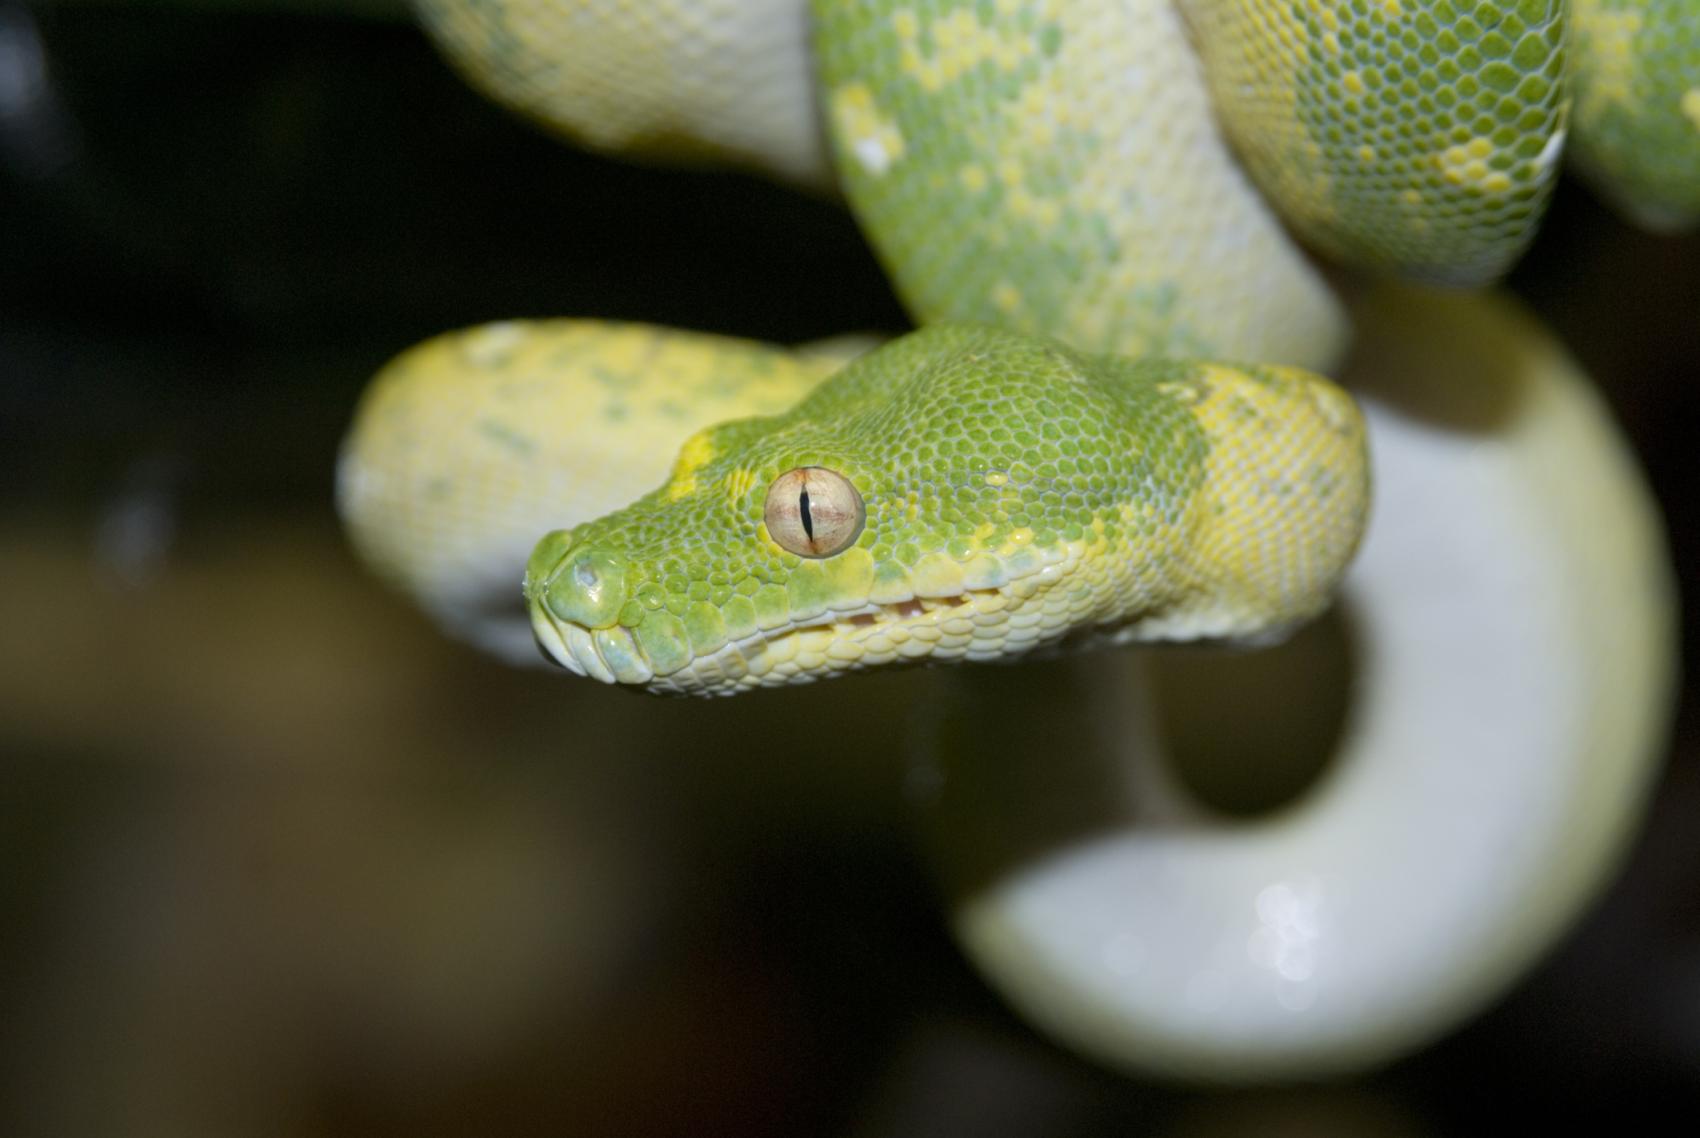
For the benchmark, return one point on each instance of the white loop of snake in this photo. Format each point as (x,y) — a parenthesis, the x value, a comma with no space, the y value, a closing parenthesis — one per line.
(1513,651)
(1513,612)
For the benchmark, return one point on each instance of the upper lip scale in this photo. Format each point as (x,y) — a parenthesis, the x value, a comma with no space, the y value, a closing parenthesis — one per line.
(549,640)
(583,647)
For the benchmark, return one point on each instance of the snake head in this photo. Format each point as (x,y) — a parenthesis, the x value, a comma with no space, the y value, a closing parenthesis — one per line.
(964,494)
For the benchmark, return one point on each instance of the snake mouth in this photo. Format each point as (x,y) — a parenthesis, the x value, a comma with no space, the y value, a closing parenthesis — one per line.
(971,624)
(998,604)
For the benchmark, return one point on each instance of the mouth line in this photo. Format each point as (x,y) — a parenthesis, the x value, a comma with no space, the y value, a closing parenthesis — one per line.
(873,615)
(577,649)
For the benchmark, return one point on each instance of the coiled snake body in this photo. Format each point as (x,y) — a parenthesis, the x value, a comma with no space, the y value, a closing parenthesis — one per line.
(1055,461)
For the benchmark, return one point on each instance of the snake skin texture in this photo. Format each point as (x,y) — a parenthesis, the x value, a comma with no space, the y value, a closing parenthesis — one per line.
(1637,135)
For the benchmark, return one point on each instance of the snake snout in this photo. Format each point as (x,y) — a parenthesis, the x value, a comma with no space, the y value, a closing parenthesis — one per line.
(585,586)
(575,594)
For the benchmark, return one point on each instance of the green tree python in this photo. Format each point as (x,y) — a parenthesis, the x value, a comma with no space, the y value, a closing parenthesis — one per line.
(1113,427)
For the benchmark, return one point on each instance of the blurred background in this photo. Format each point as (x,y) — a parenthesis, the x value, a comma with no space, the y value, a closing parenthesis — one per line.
(275,859)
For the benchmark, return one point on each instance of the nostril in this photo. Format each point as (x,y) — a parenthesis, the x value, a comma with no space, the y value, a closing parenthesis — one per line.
(587,589)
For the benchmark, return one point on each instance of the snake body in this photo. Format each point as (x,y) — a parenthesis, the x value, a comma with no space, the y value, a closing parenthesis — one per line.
(1048,185)
(1638,106)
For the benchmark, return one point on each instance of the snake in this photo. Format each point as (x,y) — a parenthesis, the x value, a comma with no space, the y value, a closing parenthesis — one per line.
(1137,408)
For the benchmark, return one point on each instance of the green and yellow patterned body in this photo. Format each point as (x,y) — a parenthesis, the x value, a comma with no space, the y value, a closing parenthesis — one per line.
(1008,164)
(1405,135)
(1637,110)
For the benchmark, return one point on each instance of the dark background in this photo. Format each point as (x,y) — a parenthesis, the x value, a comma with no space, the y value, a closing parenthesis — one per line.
(275,859)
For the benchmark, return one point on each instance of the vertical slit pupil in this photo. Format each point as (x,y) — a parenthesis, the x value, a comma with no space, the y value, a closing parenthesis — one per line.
(803,509)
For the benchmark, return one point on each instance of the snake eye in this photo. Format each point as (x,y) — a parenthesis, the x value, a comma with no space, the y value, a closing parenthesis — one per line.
(813,512)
